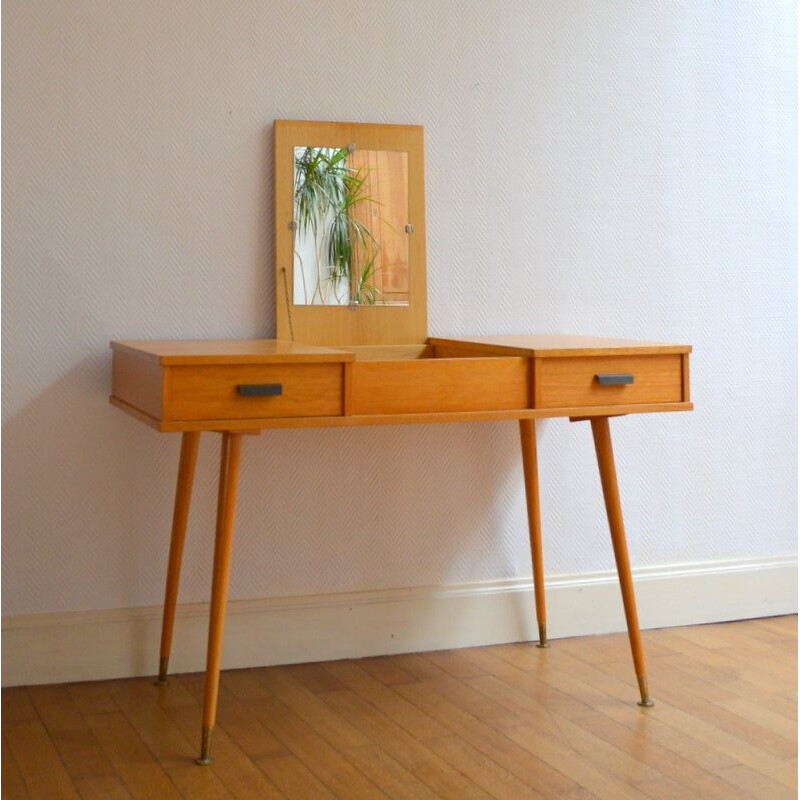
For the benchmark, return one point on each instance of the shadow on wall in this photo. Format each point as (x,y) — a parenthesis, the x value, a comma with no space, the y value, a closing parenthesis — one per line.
(86,498)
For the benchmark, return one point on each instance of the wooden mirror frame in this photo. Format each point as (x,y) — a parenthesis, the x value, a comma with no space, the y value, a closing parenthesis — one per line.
(349,325)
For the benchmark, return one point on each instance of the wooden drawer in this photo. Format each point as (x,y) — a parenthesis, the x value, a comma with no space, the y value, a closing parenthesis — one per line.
(569,382)
(200,392)
(440,385)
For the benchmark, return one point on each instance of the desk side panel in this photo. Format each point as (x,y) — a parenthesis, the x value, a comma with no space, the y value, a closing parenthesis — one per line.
(686,394)
(138,383)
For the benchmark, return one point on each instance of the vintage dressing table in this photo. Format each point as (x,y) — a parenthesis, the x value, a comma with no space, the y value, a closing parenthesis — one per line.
(352,349)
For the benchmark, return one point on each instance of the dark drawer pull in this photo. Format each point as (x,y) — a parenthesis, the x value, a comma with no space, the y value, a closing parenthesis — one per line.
(615,379)
(260,389)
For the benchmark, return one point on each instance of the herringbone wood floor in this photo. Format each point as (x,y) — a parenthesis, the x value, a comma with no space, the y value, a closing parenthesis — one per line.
(506,722)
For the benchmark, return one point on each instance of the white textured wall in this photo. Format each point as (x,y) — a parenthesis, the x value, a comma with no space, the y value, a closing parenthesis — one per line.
(612,168)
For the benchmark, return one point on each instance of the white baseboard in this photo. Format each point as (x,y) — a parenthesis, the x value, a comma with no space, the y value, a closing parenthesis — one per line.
(93,645)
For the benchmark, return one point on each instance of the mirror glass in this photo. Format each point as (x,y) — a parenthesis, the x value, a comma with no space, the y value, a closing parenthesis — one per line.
(350,227)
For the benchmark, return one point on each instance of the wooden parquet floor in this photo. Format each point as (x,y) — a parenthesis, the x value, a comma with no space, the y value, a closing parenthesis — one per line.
(506,722)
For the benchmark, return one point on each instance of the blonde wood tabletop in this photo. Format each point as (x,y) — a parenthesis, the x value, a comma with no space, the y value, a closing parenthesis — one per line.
(561,345)
(228,351)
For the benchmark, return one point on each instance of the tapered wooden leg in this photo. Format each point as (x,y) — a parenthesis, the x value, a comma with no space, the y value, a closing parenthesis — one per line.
(527,433)
(226,508)
(608,478)
(183,497)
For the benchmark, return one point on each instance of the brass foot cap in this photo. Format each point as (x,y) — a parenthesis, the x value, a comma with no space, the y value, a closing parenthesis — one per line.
(163,670)
(205,747)
(543,635)
(644,692)
(543,645)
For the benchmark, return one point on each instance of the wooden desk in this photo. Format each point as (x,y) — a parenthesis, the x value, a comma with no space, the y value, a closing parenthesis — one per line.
(243,387)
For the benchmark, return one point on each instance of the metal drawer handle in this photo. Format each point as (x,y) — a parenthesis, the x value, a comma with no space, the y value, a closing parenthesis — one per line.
(615,379)
(260,389)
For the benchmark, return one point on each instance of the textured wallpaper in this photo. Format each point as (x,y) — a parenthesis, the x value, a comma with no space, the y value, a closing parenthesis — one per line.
(621,169)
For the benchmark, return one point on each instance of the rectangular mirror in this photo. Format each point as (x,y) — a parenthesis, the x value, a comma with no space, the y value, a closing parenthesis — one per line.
(350,226)
(349,233)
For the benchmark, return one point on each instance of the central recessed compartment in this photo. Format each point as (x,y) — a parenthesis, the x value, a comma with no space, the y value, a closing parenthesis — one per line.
(424,378)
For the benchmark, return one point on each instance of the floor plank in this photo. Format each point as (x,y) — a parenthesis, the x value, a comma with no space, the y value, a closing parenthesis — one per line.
(76,744)
(463,718)
(320,757)
(405,748)
(141,774)
(38,760)
(13,785)
(103,787)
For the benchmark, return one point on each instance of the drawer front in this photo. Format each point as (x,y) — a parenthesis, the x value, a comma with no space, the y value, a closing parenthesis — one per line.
(253,391)
(440,385)
(607,381)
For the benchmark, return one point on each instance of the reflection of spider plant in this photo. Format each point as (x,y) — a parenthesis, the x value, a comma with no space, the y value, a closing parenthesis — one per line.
(318,192)
(326,191)
(318,184)
(364,291)
(347,235)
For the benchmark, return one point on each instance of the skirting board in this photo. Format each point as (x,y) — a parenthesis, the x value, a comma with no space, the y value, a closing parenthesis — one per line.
(94,645)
